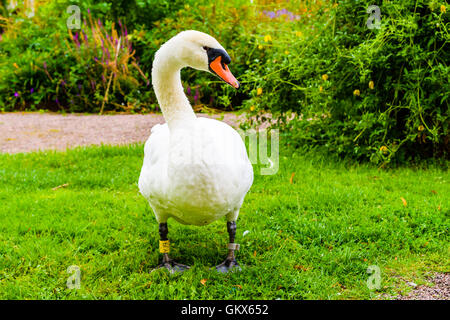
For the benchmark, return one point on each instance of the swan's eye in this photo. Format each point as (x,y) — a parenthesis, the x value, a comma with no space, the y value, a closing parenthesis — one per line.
(205,48)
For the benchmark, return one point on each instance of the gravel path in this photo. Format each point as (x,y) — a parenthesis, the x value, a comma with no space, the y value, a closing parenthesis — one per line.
(439,291)
(25,132)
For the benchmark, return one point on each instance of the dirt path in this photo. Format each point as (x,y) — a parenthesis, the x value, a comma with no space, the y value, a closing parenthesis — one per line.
(25,132)
(440,289)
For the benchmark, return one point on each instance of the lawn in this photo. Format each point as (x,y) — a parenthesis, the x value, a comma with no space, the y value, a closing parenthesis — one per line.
(312,234)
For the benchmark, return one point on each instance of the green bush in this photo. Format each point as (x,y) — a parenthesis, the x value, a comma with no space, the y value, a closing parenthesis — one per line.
(380,95)
(46,66)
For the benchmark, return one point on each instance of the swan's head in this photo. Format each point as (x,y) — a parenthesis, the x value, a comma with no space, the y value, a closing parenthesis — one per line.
(200,51)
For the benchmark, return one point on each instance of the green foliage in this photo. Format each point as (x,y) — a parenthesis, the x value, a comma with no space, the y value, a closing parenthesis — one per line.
(313,238)
(91,69)
(378,95)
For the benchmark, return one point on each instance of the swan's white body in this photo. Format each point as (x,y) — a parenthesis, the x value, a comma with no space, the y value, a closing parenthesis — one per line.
(195,170)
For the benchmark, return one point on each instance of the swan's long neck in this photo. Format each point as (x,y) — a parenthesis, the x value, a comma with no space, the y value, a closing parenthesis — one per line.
(169,91)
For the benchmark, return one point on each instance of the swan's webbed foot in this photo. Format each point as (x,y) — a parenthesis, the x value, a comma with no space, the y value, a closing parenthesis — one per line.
(228,265)
(164,248)
(172,266)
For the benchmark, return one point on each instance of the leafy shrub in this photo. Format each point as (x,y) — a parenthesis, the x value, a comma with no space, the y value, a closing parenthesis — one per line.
(92,69)
(378,95)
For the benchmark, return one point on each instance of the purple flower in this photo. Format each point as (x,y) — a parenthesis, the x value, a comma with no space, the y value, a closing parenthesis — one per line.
(271,14)
(57,101)
(85,37)
(89,10)
(196,95)
(188,91)
(99,23)
(16,94)
(31,90)
(45,65)
(75,38)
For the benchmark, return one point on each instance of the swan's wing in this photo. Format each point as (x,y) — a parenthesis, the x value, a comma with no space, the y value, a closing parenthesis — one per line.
(228,148)
(154,167)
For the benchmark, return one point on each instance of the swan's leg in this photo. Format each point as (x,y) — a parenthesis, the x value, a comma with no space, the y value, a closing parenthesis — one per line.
(164,248)
(230,262)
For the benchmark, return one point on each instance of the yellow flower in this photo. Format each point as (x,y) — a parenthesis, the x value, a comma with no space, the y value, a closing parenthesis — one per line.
(384,149)
(421,128)
(298,33)
(325,77)
(356,92)
(286,52)
(371,85)
(252,108)
(15,65)
(260,47)
(267,38)
(259,91)
(320,88)
(443,9)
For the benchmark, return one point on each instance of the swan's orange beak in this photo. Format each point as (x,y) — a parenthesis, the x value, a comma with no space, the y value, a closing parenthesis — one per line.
(221,69)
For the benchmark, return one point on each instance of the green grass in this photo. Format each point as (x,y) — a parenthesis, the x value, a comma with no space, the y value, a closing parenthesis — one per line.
(310,239)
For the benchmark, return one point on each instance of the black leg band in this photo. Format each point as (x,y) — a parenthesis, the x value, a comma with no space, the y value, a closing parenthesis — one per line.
(231,227)
(163,231)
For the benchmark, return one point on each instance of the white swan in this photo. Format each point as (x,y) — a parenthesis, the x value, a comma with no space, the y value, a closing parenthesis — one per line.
(195,170)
